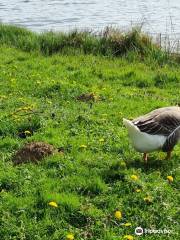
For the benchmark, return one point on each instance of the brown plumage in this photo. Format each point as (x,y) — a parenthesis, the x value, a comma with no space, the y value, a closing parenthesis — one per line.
(162,121)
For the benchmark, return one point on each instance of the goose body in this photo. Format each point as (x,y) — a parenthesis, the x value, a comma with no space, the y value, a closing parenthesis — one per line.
(157,130)
(142,141)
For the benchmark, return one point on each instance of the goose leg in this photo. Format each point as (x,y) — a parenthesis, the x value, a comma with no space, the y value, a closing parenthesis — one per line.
(145,157)
(168,155)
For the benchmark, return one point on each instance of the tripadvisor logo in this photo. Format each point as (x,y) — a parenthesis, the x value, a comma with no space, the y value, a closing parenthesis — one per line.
(139,231)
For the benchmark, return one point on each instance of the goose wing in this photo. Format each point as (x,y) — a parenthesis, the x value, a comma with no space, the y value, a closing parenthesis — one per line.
(171,140)
(161,121)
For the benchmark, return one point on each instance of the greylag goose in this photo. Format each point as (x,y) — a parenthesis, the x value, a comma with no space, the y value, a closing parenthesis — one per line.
(157,130)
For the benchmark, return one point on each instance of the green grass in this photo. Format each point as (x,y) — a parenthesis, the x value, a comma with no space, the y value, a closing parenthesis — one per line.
(110,42)
(38,93)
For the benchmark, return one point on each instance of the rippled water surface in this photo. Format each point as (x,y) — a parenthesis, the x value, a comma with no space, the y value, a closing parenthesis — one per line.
(39,15)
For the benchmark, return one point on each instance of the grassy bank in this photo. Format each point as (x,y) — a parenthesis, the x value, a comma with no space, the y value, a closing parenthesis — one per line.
(92,178)
(109,42)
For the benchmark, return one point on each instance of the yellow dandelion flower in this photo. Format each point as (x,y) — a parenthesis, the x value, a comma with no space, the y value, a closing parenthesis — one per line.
(27,132)
(170,178)
(70,237)
(138,190)
(83,146)
(127,224)
(134,177)
(128,237)
(118,215)
(101,140)
(53,204)
(148,199)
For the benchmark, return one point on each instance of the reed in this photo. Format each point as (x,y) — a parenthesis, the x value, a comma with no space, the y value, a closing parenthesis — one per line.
(110,42)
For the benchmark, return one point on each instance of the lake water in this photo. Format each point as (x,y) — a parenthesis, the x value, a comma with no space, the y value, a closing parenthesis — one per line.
(39,15)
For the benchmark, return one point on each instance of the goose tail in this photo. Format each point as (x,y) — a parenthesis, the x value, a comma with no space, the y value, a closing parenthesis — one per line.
(130,126)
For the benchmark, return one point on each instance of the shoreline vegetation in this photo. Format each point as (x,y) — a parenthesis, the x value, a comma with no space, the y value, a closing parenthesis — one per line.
(109,42)
(70,92)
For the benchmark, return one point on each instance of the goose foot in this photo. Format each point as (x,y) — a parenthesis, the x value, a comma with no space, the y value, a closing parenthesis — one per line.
(145,157)
(168,155)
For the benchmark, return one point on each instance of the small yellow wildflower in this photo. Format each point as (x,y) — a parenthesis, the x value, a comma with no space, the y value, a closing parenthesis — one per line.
(128,237)
(27,132)
(70,237)
(101,140)
(134,177)
(83,146)
(118,215)
(138,190)
(127,224)
(53,204)
(148,199)
(170,178)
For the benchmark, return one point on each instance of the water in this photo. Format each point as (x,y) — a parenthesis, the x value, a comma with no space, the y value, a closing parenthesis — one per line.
(40,15)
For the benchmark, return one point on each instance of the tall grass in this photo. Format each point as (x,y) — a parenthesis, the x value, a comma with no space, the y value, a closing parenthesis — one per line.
(18,37)
(110,42)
